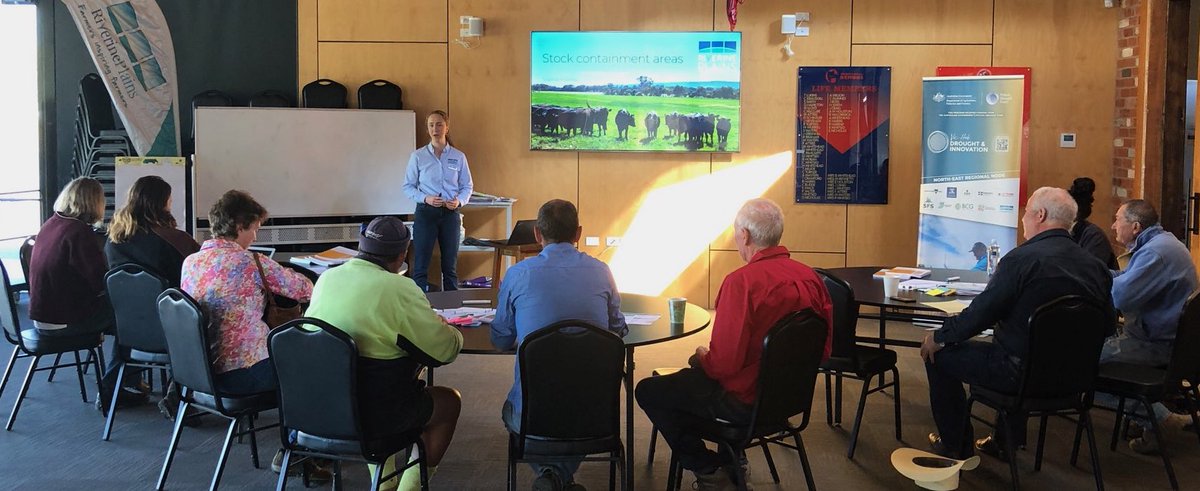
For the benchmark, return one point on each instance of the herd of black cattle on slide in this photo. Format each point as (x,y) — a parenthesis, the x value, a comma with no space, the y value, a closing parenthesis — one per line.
(696,130)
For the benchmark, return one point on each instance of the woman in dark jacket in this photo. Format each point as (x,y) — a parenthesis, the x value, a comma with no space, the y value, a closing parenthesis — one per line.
(1088,235)
(144,232)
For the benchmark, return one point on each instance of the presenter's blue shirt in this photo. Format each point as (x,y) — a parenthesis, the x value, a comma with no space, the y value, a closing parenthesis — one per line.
(560,283)
(447,177)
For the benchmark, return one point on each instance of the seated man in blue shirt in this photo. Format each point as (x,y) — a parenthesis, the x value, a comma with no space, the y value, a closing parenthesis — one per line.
(560,283)
(1150,293)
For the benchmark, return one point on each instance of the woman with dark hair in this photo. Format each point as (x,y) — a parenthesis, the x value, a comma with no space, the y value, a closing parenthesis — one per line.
(144,232)
(227,280)
(1088,235)
(439,181)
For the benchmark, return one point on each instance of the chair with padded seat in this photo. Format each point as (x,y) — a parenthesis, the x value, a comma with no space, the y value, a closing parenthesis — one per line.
(324,93)
(1149,385)
(271,98)
(186,329)
(848,359)
(568,369)
(134,292)
(380,94)
(317,366)
(29,343)
(1053,381)
(791,354)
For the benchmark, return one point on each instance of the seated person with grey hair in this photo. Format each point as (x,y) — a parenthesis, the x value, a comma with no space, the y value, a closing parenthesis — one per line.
(370,301)
(1047,266)
(722,377)
(1150,292)
(559,284)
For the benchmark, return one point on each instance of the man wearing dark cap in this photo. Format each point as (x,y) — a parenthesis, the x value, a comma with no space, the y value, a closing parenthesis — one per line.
(370,301)
(980,252)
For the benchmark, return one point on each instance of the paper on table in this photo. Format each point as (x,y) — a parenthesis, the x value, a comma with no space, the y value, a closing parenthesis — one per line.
(951,307)
(640,319)
(479,314)
(921,284)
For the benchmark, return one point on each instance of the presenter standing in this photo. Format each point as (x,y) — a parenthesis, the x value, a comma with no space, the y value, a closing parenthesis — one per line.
(438,180)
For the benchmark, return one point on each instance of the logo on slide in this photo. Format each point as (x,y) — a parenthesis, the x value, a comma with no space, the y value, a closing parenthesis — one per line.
(992,98)
(937,142)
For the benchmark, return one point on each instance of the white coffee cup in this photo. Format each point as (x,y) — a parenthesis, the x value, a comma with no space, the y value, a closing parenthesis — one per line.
(891,285)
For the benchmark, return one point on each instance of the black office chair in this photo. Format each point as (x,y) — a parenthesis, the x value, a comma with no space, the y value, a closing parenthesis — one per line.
(134,292)
(29,342)
(271,98)
(25,253)
(567,369)
(380,94)
(1148,385)
(186,328)
(324,93)
(852,360)
(791,354)
(1053,381)
(317,366)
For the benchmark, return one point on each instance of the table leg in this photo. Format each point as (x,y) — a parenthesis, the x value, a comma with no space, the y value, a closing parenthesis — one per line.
(882,334)
(629,402)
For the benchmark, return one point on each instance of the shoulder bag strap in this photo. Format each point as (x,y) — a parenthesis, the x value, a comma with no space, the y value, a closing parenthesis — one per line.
(266,291)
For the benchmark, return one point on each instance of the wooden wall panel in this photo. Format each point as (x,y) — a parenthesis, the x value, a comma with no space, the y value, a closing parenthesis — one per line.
(384,20)
(418,68)
(489,111)
(659,15)
(887,234)
(923,21)
(1073,84)
(306,43)
(768,120)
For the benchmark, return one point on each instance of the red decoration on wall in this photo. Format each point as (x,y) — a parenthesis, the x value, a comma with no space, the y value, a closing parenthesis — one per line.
(731,7)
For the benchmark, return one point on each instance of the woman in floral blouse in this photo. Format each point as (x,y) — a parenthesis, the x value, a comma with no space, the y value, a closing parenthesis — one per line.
(224,279)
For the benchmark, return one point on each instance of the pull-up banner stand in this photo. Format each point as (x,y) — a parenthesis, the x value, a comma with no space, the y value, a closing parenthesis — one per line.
(970,168)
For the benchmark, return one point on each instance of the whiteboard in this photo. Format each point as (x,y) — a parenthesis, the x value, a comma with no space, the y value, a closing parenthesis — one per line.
(170,169)
(305,162)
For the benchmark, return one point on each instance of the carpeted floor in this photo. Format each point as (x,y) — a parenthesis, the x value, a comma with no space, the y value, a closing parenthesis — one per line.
(56,441)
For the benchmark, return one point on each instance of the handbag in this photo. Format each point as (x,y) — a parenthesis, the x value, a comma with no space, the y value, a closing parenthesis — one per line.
(275,315)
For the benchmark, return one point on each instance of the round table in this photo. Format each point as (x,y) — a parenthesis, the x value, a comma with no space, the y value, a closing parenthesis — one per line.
(868,290)
(477,340)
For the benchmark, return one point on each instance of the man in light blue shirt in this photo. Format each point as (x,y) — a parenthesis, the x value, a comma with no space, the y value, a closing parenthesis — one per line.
(439,182)
(560,283)
(1150,293)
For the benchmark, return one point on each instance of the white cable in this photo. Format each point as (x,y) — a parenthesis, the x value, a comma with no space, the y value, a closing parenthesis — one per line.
(787,48)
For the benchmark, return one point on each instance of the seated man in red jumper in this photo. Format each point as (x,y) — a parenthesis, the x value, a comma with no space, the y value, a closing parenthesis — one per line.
(722,377)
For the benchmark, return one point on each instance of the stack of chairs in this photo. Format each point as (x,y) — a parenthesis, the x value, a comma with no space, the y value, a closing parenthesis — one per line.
(98,140)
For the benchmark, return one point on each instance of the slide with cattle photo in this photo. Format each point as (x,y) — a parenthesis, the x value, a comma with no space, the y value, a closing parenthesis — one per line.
(635,91)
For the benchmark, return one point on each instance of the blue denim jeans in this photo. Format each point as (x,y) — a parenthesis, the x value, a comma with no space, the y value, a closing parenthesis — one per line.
(436,224)
(564,470)
(1129,350)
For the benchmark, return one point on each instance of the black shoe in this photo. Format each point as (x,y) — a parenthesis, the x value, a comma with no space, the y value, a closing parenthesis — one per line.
(125,398)
(989,446)
(938,447)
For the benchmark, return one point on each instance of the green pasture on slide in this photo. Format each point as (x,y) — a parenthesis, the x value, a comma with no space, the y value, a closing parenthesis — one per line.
(639,106)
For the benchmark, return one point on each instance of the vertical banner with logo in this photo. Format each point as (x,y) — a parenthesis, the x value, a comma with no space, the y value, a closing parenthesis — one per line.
(842,125)
(970,169)
(984,71)
(131,45)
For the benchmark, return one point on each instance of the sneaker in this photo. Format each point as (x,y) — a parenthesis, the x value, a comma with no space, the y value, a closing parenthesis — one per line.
(316,474)
(125,398)
(718,480)
(547,481)
(1147,444)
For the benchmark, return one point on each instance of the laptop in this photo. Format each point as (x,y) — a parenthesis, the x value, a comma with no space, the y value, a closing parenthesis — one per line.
(522,234)
(266,251)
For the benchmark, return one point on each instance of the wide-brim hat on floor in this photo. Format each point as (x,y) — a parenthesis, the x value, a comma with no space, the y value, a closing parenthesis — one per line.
(929,470)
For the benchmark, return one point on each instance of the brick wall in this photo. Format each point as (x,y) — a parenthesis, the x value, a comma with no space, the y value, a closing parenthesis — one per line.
(1125,125)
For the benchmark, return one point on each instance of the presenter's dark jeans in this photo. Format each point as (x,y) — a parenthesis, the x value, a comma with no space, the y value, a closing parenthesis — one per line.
(436,224)
(680,402)
(975,363)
